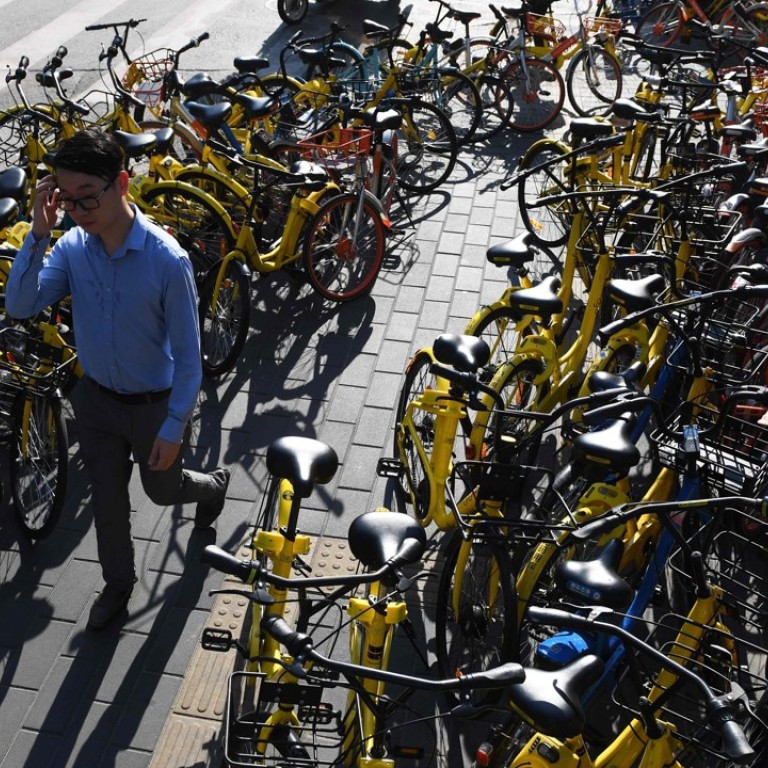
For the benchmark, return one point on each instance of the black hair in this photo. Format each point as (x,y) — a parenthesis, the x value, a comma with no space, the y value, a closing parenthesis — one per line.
(89,151)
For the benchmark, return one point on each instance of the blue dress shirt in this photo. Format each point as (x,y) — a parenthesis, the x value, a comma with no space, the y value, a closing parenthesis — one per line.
(134,312)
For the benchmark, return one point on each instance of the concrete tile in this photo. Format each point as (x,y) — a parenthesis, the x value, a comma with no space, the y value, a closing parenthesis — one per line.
(14,705)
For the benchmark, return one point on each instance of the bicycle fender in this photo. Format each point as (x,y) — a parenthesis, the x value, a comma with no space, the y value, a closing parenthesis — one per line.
(377,204)
(540,350)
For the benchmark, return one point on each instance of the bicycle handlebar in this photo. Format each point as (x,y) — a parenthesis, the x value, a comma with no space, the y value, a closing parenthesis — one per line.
(131,23)
(300,646)
(743,291)
(719,710)
(250,571)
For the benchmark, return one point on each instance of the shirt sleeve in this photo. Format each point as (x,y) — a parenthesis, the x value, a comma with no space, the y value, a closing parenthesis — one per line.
(184,336)
(34,281)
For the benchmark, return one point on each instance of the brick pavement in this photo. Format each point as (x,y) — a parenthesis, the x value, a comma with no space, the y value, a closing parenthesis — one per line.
(72,698)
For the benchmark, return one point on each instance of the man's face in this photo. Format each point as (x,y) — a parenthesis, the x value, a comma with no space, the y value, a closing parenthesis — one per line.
(99,202)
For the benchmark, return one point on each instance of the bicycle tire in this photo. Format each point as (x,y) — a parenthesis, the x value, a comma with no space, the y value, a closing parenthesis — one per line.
(550,225)
(738,38)
(593,81)
(224,327)
(460,99)
(427,147)
(412,488)
(535,106)
(483,635)
(340,264)
(497,326)
(515,384)
(195,219)
(498,106)
(292,11)
(39,472)
(661,26)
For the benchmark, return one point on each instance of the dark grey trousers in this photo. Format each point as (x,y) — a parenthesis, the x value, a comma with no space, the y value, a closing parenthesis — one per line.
(110,433)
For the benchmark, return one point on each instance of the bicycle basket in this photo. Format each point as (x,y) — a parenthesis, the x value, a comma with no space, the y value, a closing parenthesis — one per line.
(27,363)
(549,29)
(337,149)
(251,698)
(144,77)
(595,24)
(733,458)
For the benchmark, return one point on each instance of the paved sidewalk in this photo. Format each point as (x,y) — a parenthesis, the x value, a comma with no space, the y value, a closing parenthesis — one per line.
(69,697)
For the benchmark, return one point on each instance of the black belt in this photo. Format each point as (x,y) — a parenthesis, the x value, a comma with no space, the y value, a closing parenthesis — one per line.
(133,398)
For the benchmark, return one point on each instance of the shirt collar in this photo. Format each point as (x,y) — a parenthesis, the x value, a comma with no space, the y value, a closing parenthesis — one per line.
(135,240)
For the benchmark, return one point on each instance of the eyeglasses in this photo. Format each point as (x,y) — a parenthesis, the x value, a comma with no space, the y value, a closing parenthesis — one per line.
(89,203)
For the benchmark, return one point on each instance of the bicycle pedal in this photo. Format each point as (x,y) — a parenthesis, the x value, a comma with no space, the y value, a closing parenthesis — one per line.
(390,467)
(391,263)
(321,714)
(218,640)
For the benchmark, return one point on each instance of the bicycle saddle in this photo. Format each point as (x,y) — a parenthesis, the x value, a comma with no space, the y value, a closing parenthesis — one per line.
(551,700)
(13,183)
(303,461)
(256,106)
(435,34)
(47,80)
(611,446)
(136,144)
(211,116)
(742,132)
(383,120)
(540,300)
(626,109)
(375,538)
(464,17)
(602,381)
(200,84)
(250,63)
(9,209)
(373,29)
(596,582)
(589,128)
(464,353)
(516,252)
(636,294)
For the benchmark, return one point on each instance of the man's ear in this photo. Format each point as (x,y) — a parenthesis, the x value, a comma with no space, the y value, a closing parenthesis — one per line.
(123,179)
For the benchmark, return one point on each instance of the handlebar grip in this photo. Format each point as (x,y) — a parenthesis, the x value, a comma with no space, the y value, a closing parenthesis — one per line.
(296,643)
(23,62)
(558,618)
(226,563)
(735,742)
(498,677)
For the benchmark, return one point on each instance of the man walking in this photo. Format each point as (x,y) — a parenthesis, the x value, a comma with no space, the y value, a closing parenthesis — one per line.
(135,319)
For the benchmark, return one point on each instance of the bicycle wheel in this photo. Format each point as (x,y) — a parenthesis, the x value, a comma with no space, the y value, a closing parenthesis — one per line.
(39,462)
(661,25)
(538,93)
(292,11)
(460,99)
(550,223)
(515,384)
(195,220)
(593,81)
(498,327)
(427,147)
(413,487)
(344,247)
(474,616)
(224,323)
(498,106)
(232,199)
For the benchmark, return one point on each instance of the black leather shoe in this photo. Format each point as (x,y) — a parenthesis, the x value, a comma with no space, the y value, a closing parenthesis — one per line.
(107,605)
(206,513)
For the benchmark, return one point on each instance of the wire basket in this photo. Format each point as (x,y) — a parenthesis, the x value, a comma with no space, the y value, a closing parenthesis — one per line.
(732,650)
(145,74)
(549,29)
(731,459)
(338,149)
(251,697)
(595,24)
(29,364)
